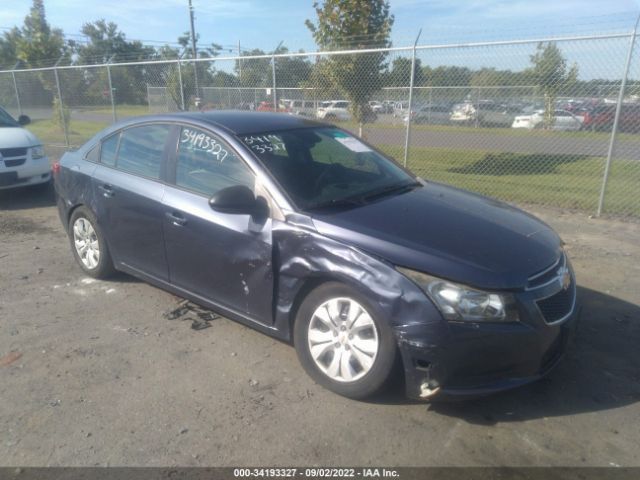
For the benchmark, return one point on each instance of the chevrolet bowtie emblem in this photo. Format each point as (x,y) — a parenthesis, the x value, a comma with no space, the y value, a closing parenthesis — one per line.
(564,277)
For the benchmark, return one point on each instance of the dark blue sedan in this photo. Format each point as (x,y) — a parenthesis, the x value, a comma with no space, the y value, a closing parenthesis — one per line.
(306,233)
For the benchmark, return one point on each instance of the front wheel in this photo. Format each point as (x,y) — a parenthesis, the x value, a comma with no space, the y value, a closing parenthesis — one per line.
(343,343)
(88,244)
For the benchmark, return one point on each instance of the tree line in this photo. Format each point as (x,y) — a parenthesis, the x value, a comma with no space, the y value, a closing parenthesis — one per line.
(339,25)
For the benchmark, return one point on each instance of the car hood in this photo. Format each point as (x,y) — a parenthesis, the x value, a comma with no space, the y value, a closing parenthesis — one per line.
(449,233)
(17,137)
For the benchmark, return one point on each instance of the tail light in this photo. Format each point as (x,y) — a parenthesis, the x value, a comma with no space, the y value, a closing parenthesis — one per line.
(55,169)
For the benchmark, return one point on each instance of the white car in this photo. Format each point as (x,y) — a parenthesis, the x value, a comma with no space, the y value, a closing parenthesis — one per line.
(334,110)
(376,107)
(562,120)
(463,113)
(22,158)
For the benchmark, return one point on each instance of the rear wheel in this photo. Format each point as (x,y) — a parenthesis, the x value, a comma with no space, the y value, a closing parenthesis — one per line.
(88,244)
(342,341)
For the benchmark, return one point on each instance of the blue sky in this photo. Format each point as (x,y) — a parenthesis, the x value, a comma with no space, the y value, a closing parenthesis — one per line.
(264,23)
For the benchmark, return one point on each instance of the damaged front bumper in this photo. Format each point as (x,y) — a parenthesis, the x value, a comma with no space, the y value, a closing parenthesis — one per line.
(464,360)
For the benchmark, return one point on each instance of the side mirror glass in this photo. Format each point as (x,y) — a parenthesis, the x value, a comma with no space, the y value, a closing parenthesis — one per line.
(24,120)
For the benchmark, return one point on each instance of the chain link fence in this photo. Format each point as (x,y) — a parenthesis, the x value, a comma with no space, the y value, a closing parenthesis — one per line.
(549,121)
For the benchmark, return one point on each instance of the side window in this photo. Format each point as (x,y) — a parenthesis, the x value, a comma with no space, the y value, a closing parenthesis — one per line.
(93,155)
(141,150)
(206,165)
(109,150)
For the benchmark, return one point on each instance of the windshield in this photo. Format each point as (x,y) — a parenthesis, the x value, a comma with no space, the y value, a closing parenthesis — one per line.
(7,120)
(325,167)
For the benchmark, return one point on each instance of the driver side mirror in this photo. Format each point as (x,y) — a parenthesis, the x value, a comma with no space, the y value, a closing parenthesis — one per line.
(239,200)
(24,120)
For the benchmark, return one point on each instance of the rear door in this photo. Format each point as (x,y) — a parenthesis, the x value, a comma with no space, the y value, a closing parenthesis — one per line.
(223,258)
(128,190)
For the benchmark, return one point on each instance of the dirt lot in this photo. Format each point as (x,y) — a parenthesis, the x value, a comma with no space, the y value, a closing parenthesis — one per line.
(105,379)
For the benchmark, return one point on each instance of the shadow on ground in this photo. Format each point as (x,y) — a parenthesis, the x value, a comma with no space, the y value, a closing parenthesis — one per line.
(600,371)
(27,197)
(501,164)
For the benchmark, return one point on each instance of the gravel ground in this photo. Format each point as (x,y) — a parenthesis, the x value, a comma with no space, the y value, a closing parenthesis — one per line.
(92,373)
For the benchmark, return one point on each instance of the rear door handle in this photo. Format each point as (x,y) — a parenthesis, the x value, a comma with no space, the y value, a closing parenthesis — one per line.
(176,218)
(107,190)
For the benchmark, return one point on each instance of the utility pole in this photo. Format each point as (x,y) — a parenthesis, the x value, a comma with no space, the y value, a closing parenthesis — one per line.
(195,54)
(239,64)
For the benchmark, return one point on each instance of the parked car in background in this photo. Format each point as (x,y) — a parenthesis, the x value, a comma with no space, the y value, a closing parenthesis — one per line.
(305,108)
(463,113)
(387,106)
(400,109)
(601,118)
(304,232)
(22,158)
(245,106)
(562,120)
(430,114)
(492,114)
(334,110)
(377,107)
(268,107)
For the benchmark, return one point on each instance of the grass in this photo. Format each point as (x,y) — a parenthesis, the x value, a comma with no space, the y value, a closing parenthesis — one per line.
(570,181)
(79,131)
(124,110)
(503,131)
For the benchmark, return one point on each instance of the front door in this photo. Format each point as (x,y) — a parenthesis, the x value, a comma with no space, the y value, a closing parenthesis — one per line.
(220,257)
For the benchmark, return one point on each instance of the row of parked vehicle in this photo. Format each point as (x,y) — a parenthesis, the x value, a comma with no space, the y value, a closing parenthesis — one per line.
(567,116)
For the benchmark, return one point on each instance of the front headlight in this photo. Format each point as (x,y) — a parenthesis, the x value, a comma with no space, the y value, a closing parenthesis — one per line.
(37,152)
(465,304)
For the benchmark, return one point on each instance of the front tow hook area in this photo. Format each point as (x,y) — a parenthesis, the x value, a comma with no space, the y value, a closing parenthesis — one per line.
(429,390)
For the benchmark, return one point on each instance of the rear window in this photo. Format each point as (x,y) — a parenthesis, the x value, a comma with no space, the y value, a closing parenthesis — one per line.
(109,150)
(141,150)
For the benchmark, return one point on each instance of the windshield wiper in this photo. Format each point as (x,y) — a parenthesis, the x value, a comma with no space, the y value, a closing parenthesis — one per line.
(386,190)
(337,202)
(361,199)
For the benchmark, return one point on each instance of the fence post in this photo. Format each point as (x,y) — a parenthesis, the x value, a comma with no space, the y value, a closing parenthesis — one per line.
(413,68)
(61,106)
(15,87)
(614,130)
(113,103)
(273,74)
(181,88)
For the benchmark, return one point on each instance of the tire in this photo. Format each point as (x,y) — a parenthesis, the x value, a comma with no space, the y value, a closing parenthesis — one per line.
(95,260)
(367,348)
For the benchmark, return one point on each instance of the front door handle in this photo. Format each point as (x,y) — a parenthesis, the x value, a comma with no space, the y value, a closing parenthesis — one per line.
(107,190)
(176,218)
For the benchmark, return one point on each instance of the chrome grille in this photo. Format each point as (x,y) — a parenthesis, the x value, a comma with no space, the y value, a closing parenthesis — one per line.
(548,275)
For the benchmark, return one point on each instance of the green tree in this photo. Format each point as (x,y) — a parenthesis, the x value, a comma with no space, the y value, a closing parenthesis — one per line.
(107,43)
(400,73)
(9,47)
(254,72)
(354,24)
(551,75)
(39,45)
(291,72)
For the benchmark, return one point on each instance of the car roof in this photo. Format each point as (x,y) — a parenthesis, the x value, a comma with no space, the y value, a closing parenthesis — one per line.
(237,122)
